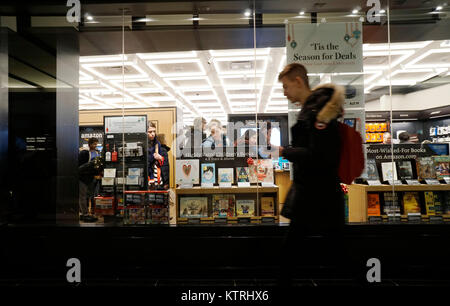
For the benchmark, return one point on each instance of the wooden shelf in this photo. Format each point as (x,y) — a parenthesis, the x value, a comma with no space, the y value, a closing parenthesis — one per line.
(233,189)
(357,196)
(384,188)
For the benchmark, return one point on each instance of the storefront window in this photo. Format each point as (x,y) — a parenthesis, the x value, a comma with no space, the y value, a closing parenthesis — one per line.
(143,114)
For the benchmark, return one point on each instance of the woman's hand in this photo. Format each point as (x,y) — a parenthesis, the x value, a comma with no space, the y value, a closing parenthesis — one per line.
(157,156)
(280,151)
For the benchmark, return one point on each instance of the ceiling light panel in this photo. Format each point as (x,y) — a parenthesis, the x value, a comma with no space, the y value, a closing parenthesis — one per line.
(241,65)
(189,82)
(239,52)
(177,67)
(435,58)
(167,55)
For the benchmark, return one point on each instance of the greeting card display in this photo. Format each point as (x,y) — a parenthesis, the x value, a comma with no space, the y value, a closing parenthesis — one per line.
(261,171)
(193,207)
(208,173)
(187,171)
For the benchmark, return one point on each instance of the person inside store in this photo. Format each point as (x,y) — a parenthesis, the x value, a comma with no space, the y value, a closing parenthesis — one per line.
(266,149)
(88,179)
(155,160)
(196,132)
(217,138)
(165,167)
(387,139)
(315,202)
(404,138)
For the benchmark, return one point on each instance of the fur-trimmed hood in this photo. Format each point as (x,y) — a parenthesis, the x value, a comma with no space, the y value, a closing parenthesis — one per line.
(334,107)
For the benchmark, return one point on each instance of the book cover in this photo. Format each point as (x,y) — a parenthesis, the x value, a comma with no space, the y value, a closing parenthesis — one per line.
(193,207)
(135,214)
(187,171)
(245,208)
(267,206)
(429,203)
(373,204)
(223,205)
(405,170)
(261,171)
(389,171)
(242,175)
(371,169)
(425,168)
(438,202)
(391,203)
(225,175)
(441,166)
(209,173)
(411,202)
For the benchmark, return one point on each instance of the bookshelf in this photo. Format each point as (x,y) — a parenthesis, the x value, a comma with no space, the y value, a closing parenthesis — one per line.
(357,196)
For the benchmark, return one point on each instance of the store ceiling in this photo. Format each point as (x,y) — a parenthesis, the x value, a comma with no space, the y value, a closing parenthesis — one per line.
(215,83)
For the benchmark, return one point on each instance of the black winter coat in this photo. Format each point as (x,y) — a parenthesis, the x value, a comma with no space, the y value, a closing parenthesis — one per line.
(165,168)
(318,201)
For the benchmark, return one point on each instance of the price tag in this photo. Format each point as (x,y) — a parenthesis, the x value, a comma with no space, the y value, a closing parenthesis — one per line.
(110,136)
(193,220)
(207,185)
(243,184)
(432,182)
(414,217)
(374,183)
(447,180)
(413,182)
(220,220)
(375,219)
(186,186)
(132,145)
(264,184)
(397,182)
(225,185)
(436,219)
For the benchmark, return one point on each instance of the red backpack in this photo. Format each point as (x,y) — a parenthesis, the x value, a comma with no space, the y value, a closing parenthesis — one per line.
(351,163)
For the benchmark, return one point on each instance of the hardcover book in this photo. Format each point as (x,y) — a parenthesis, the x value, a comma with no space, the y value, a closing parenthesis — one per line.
(225,175)
(391,203)
(208,173)
(373,204)
(245,208)
(429,203)
(371,169)
(411,202)
(425,168)
(438,202)
(405,169)
(267,206)
(223,205)
(261,171)
(242,174)
(187,171)
(389,171)
(441,166)
(193,207)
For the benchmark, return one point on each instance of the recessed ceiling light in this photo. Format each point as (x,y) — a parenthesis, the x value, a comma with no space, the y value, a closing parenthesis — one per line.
(247,13)
(355,11)
(438,8)
(89,17)
(382,11)
(302,13)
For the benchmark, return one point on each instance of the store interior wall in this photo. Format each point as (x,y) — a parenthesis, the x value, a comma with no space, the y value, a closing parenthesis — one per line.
(4,194)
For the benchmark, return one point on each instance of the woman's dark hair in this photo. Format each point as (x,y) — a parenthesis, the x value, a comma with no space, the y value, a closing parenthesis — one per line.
(208,168)
(403,136)
(92,140)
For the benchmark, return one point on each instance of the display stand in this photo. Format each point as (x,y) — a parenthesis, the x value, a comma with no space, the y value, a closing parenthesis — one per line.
(146,207)
(125,155)
(238,192)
